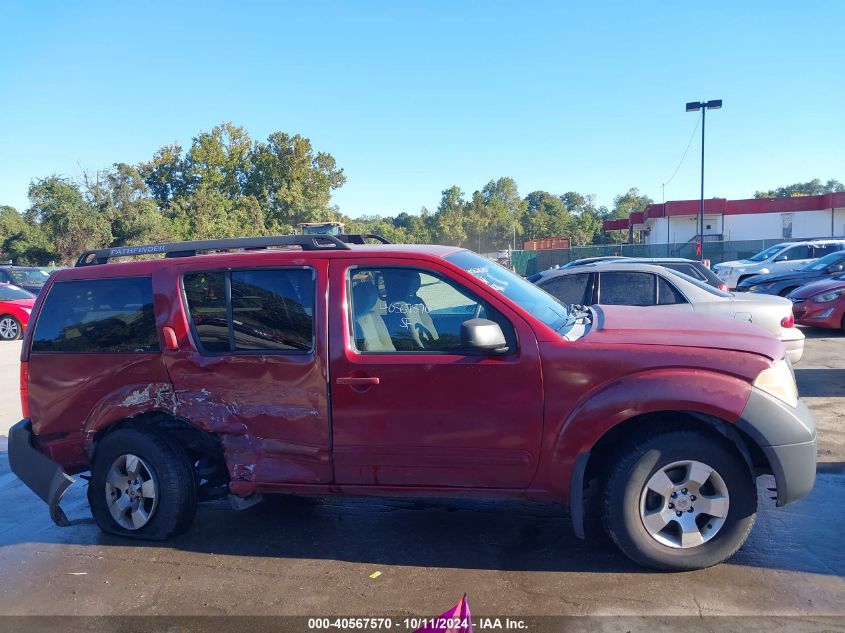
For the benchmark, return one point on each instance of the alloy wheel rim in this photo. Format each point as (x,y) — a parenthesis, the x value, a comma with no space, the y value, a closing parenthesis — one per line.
(131,492)
(8,328)
(684,504)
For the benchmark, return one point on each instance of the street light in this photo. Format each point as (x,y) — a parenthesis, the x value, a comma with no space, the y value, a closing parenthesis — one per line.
(695,106)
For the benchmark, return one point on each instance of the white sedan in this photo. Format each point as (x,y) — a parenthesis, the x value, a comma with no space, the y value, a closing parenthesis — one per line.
(646,285)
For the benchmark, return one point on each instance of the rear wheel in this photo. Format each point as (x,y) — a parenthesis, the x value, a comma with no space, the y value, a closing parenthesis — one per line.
(680,500)
(142,485)
(10,328)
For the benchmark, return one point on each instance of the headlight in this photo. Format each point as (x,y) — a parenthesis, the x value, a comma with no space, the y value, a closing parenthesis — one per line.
(828,296)
(779,382)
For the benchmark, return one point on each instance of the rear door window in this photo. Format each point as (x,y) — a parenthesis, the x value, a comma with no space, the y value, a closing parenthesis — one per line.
(105,315)
(259,310)
(572,289)
(687,269)
(667,294)
(796,252)
(626,289)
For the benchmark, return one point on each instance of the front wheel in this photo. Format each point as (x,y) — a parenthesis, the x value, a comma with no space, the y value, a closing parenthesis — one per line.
(142,485)
(680,500)
(10,328)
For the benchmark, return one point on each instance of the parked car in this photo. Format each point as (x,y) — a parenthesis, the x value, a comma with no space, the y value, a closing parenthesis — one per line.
(413,370)
(689,267)
(821,303)
(784,283)
(15,306)
(29,278)
(776,259)
(619,283)
(573,264)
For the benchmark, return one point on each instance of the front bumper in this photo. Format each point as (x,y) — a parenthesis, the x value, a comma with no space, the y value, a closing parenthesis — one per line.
(787,437)
(41,474)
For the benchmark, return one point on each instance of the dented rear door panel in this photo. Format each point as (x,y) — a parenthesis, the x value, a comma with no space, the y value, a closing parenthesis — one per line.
(270,410)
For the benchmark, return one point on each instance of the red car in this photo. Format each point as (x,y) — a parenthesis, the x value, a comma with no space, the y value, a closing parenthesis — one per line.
(306,365)
(820,303)
(15,306)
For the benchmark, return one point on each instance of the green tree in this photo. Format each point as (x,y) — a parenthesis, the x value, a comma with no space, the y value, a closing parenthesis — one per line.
(292,183)
(814,187)
(631,200)
(450,220)
(70,223)
(546,216)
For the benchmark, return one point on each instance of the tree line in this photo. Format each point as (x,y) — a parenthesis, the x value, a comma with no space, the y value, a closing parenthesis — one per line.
(226,185)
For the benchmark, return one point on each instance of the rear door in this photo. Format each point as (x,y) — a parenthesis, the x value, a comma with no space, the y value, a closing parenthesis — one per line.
(410,407)
(254,370)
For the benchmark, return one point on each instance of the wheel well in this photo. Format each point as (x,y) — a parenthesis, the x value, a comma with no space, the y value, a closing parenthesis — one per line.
(604,452)
(204,449)
(632,429)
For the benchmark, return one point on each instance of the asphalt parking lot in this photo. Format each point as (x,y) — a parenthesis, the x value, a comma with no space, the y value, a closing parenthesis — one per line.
(319,556)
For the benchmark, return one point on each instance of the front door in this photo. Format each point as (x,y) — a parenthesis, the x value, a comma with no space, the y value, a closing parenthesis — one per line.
(257,375)
(410,407)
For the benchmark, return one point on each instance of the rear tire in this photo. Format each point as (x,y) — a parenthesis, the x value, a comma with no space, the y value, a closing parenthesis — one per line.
(142,485)
(10,328)
(690,539)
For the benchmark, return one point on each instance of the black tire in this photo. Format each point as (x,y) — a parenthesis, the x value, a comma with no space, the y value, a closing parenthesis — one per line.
(171,469)
(636,465)
(13,323)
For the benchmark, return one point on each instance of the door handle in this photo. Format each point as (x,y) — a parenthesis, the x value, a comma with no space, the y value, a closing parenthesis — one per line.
(358,381)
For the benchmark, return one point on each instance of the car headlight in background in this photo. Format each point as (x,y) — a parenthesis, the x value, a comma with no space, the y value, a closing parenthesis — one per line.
(778,381)
(828,296)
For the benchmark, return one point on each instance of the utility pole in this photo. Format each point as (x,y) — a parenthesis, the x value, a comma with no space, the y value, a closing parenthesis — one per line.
(695,106)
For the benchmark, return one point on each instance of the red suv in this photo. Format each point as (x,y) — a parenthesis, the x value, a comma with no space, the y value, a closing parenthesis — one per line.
(307,365)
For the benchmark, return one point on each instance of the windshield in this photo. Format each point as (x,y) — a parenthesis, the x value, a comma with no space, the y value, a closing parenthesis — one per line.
(10,293)
(529,297)
(29,276)
(823,262)
(701,284)
(769,252)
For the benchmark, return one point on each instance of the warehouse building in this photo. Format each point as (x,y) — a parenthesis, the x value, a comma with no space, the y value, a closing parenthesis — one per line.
(732,220)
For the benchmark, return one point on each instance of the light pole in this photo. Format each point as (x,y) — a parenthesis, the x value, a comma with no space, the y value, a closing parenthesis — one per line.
(695,106)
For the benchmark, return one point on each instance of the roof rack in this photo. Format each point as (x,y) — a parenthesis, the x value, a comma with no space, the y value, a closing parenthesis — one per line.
(361,238)
(189,249)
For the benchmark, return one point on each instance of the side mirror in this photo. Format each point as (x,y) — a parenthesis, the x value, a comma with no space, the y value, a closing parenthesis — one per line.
(483,336)
(835,268)
(780,258)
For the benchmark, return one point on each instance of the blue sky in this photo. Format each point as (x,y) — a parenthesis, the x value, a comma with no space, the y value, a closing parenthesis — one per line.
(411,98)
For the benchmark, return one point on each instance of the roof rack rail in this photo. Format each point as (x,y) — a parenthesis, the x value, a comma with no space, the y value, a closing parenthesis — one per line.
(189,249)
(361,238)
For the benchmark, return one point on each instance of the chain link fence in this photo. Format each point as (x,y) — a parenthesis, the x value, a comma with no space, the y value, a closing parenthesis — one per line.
(530,262)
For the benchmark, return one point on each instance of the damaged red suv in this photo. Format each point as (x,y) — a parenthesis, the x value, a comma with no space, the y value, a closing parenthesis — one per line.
(307,365)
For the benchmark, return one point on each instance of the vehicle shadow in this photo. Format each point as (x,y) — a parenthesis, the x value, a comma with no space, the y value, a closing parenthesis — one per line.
(817,332)
(820,382)
(484,535)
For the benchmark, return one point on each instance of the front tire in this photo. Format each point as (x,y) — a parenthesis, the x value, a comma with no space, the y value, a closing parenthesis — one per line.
(142,485)
(10,328)
(680,500)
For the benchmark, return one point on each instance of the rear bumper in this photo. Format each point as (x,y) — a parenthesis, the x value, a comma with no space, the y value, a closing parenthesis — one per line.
(793,341)
(787,437)
(41,474)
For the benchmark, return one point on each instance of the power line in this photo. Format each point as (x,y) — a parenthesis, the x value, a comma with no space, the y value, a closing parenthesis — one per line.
(681,162)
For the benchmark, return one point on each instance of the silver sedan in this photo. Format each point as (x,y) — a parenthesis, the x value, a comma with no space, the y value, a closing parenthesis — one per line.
(646,285)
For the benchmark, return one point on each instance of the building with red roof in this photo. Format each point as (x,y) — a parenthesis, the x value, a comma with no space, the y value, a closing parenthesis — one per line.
(752,219)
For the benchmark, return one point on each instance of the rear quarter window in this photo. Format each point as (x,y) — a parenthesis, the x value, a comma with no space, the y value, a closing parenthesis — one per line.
(103,315)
